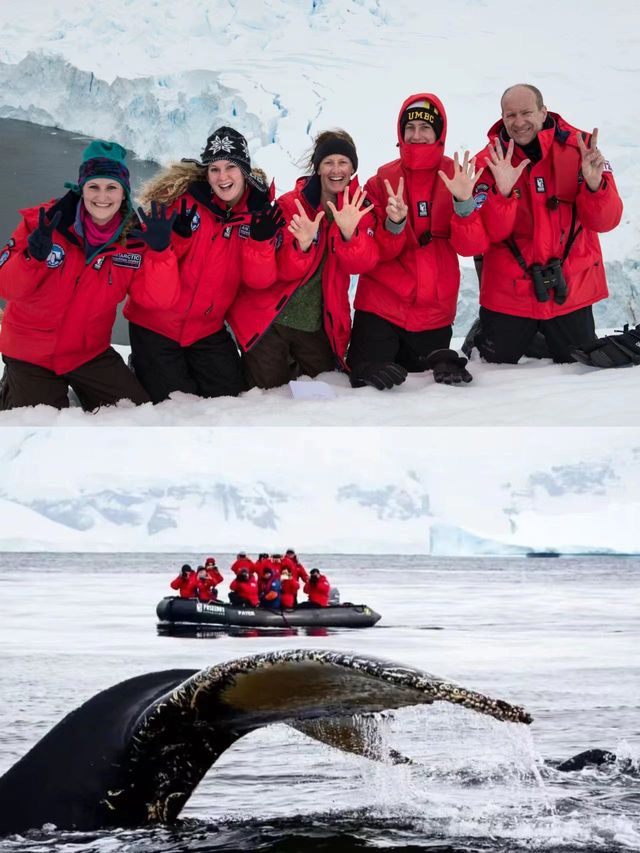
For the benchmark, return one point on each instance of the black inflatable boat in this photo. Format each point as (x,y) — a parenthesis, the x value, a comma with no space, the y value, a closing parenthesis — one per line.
(173,610)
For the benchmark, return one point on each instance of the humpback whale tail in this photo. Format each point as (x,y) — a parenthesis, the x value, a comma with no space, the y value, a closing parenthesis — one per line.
(134,753)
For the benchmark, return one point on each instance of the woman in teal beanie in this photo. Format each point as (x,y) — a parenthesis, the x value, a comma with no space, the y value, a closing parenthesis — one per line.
(64,271)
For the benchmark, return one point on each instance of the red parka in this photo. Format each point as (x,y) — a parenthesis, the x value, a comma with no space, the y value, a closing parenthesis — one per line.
(253,311)
(289,592)
(538,215)
(186,586)
(212,263)
(243,563)
(416,286)
(60,312)
(246,589)
(318,592)
(296,568)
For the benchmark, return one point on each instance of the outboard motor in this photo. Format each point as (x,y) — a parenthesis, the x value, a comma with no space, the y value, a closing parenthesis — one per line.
(334,596)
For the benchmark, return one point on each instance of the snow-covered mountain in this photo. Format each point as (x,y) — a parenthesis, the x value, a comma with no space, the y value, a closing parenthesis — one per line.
(159,78)
(338,491)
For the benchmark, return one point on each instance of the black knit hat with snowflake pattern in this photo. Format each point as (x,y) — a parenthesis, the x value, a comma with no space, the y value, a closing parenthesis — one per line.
(225,143)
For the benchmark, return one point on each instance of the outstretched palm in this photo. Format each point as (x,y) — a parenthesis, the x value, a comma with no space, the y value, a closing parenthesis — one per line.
(351,212)
(303,228)
(464,177)
(500,166)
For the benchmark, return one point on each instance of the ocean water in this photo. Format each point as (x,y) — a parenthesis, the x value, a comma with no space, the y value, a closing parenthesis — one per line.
(559,636)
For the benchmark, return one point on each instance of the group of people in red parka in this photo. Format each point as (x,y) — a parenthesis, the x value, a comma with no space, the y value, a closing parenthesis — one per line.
(227,288)
(271,581)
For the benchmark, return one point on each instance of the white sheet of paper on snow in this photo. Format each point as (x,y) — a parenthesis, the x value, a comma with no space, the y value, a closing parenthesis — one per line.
(311,390)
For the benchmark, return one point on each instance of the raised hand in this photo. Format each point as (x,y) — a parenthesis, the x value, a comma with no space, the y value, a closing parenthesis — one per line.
(464,177)
(499,164)
(40,241)
(157,233)
(396,208)
(352,211)
(303,228)
(183,221)
(266,223)
(592,160)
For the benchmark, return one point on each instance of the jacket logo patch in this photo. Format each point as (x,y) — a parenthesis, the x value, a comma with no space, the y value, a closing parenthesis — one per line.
(98,263)
(540,187)
(228,230)
(423,208)
(479,199)
(4,257)
(195,222)
(482,188)
(56,256)
(607,167)
(132,260)
(244,231)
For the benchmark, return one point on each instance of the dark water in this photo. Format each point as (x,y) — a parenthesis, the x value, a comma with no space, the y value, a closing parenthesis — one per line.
(560,637)
(35,162)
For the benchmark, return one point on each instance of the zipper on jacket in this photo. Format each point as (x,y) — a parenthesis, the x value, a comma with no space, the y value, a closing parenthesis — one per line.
(110,279)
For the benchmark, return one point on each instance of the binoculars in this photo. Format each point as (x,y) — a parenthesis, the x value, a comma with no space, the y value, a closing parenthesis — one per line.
(549,278)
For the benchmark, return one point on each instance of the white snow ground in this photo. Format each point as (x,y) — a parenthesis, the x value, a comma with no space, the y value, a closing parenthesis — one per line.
(159,78)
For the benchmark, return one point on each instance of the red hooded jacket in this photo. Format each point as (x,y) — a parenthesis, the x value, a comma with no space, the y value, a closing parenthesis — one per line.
(538,215)
(318,592)
(416,286)
(248,590)
(185,585)
(296,568)
(255,310)
(289,592)
(212,262)
(61,311)
(243,563)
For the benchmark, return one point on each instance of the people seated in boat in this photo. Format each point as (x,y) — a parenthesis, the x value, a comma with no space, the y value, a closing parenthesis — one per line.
(263,562)
(243,562)
(269,590)
(244,590)
(276,563)
(291,561)
(206,582)
(212,571)
(317,588)
(290,587)
(185,582)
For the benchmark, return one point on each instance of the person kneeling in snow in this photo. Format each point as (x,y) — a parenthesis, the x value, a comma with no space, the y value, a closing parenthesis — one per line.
(547,193)
(63,273)
(405,306)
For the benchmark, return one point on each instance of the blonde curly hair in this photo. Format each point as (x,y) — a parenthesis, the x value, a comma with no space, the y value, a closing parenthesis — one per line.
(173,181)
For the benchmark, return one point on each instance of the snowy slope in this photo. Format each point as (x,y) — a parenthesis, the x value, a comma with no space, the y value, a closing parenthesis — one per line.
(341,490)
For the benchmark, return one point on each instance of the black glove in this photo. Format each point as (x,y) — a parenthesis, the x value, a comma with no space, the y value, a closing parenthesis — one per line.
(622,350)
(266,223)
(182,224)
(157,233)
(40,241)
(378,374)
(448,367)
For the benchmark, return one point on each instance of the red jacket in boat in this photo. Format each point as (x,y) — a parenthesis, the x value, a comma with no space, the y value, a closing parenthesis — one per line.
(185,585)
(60,312)
(248,590)
(243,563)
(289,592)
(318,592)
(213,262)
(538,216)
(255,310)
(415,284)
(296,568)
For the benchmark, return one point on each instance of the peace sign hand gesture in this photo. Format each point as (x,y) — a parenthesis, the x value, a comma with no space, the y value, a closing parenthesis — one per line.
(351,213)
(592,160)
(499,164)
(40,241)
(396,208)
(464,177)
(303,228)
